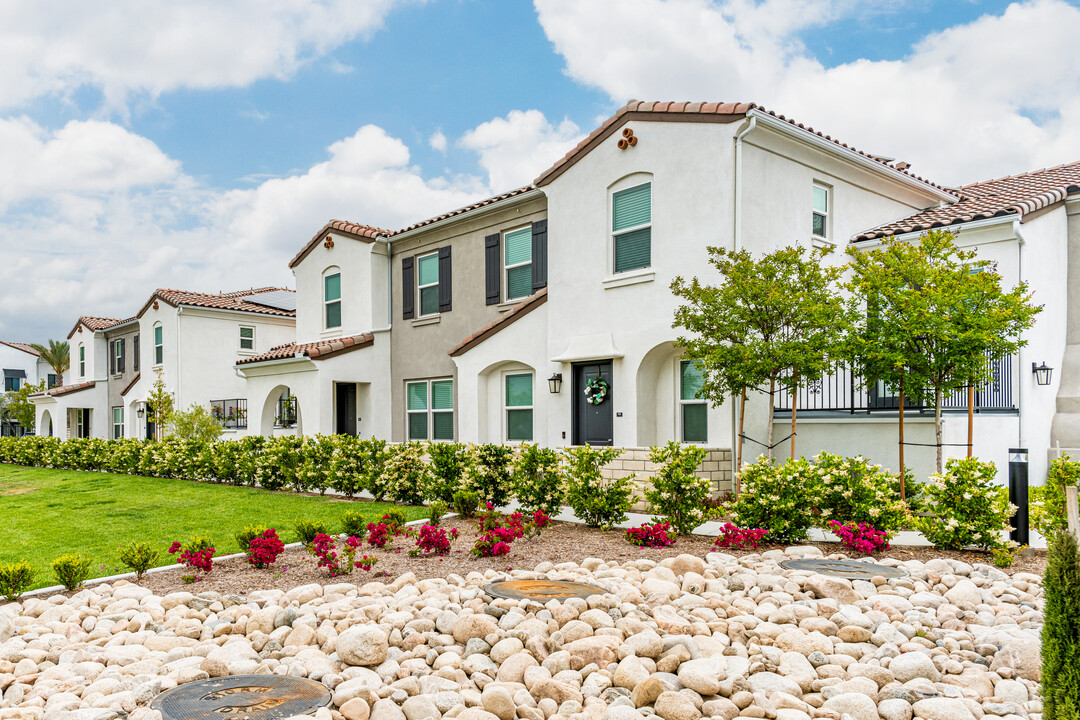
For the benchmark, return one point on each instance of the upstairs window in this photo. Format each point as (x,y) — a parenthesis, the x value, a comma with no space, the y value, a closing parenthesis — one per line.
(82,361)
(427,282)
(631,226)
(159,345)
(820,227)
(332,300)
(517,260)
(11,380)
(52,380)
(693,411)
(117,359)
(519,411)
(247,338)
(430,409)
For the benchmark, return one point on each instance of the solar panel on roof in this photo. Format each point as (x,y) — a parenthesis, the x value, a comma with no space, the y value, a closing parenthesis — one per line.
(277,299)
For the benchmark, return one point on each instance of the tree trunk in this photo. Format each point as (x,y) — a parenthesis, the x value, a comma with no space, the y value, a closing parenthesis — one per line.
(937,429)
(971,417)
(742,418)
(769,435)
(903,490)
(794,410)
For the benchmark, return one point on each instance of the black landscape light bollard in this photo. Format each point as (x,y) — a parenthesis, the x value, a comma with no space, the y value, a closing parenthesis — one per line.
(1018,493)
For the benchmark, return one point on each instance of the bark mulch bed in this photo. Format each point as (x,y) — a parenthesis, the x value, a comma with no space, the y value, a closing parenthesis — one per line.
(561,542)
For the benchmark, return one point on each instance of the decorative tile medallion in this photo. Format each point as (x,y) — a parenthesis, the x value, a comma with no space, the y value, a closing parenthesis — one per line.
(850,569)
(542,590)
(242,697)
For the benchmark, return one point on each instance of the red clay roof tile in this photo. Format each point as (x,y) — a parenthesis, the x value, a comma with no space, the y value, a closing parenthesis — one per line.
(320,350)
(356,231)
(66,389)
(25,347)
(224,301)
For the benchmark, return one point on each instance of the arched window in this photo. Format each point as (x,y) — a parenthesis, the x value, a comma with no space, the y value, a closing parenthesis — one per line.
(331,298)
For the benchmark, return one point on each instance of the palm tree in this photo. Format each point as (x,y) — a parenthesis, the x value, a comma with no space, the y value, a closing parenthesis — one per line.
(57,355)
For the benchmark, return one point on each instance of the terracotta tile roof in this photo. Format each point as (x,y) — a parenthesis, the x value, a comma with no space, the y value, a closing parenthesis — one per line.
(25,347)
(508,318)
(66,389)
(364,233)
(1013,195)
(94,323)
(468,208)
(688,112)
(224,301)
(131,384)
(316,351)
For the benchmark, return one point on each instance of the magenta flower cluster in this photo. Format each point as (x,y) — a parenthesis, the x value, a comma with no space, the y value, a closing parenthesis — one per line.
(264,549)
(324,549)
(497,536)
(732,536)
(202,561)
(433,540)
(861,537)
(655,535)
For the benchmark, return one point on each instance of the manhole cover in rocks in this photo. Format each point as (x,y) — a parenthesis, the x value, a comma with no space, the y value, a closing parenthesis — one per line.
(542,590)
(850,569)
(242,697)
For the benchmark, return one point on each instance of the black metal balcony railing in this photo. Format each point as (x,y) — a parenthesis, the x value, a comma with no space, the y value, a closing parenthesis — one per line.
(286,412)
(843,391)
(230,413)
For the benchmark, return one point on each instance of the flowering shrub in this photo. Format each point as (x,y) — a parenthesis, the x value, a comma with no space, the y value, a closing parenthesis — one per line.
(490,544)
(596,500)
(538,481)
(366,563)
(860,537)
(675,493)
(409,477)
(655,535)
(853,490)
(140,557)
(970,508)
(200,559)
(540,520)
(325,551)
(488,474)
(395,518)
(450,463)
(264,549)
(779,498)
(434,540)
(733,536)
(379,534)
(1047,506)
(244,537)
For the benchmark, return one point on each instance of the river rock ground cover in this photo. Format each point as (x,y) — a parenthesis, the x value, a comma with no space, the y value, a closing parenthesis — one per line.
(680,639)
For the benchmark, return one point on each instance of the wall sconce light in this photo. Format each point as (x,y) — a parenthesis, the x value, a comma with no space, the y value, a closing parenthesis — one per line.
(1042,373)
(555,383)
(141,411)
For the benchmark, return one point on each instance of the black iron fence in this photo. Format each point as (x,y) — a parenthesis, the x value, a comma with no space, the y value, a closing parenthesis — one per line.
(230,413)
(286,412)
(844,391)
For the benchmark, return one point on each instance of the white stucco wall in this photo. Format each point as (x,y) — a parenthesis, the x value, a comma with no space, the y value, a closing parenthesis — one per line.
(363,268)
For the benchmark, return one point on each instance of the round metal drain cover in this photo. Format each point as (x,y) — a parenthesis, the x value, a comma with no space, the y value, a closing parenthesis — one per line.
(850,569)
(542,590)
(242,697)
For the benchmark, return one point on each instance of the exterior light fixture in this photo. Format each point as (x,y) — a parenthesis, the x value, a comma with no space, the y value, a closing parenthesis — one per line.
(555,383)
(1042,373)
(141,411)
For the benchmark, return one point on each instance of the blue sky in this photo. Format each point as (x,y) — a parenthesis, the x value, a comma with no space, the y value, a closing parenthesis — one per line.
(203,143)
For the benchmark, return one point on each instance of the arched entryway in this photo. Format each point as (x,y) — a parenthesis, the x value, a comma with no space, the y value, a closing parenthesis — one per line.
(281,413)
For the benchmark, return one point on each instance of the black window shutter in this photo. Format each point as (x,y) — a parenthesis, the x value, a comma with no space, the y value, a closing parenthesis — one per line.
(408,289)
(112,357)
(493,267)
(539,255)
(122,357)
(135,354)
(445,280)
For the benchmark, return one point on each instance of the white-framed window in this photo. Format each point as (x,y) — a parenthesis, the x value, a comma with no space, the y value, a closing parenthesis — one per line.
(820,214)
(518,403)
(429,409)
(332,299)
(118,356)
(693,411)
(247,337)
(427,283)
(117,423)
(159,344)
(631,227)
(82,362)
(517,262)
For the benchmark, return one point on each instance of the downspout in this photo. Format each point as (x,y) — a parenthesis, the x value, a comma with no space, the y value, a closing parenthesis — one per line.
(179,311)
(1020,352)
(737,245)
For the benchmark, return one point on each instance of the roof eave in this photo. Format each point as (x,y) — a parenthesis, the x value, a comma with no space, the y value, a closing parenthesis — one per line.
(511,201)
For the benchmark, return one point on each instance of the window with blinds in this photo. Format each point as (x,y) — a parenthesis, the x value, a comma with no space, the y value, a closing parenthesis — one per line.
(429,409)
(693,411)
(631,226)
(332,300)
(517,261)
(427,276)
(519,410)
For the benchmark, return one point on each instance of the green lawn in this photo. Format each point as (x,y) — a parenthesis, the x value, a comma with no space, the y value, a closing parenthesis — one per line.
(45,513)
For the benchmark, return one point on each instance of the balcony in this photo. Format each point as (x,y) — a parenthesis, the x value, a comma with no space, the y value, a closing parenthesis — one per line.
(845,392)
(232,414)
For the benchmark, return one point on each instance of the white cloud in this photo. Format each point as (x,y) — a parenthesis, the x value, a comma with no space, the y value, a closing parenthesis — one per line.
(122,47)
(515,149)
(437,141)
(994,96)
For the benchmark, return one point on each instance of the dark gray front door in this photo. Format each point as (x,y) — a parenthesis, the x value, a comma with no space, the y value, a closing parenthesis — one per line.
(346,408)
(592,423)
